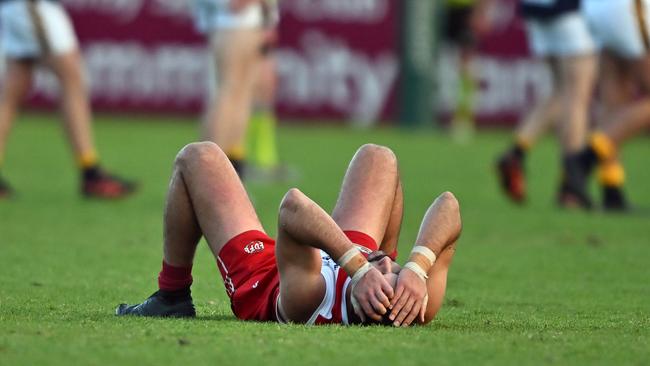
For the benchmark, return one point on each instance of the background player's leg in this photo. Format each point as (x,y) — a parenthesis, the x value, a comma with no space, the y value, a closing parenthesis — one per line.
(616,88)
(368,192)
(578,75)
(261,136)
(75,105)
(440,227)
(236,60)
(18,79)
(637,116)
(626,116)
(543,115)
(68,68)
(510,165)
(576,89)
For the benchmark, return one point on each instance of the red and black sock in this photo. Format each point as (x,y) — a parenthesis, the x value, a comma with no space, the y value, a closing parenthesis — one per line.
(174,282)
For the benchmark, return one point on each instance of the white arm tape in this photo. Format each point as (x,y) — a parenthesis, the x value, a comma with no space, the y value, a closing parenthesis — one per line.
(356,278)
(428,253)
(347,256)
(417,269)
(360,273)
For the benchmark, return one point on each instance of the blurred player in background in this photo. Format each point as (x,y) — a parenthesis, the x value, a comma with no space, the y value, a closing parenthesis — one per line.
(622,29)
(558,33)
(262,158)
(466,21)
(236,30)
(39,33)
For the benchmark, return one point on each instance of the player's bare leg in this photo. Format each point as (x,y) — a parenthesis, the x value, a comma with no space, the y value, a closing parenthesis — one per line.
(236,60)
(77,117)
(636,116)
(627,116)
(544,115)
(18,79)
(205,198)
(578,77)
(74,101)
(261,138)
(370,200)
(617,86)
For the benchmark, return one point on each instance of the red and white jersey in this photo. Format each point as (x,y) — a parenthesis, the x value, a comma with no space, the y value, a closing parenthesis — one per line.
(333,308)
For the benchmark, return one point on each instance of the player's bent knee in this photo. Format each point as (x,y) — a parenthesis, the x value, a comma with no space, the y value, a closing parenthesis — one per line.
(199,153)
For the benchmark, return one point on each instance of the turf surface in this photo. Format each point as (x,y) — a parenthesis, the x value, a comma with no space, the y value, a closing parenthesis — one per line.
(531,285)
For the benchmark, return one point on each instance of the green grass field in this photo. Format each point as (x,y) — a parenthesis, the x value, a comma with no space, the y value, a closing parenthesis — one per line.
(532,285)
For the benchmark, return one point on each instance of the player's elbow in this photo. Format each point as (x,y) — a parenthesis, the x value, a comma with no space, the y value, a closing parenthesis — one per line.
(451,206)
(450,201)
(292,201)
(199,154)
(378,152)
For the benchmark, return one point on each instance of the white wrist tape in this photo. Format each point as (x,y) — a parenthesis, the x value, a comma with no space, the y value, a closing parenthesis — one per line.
(356,278)
(347,256)
(360,273)
(428,253)
(417,269)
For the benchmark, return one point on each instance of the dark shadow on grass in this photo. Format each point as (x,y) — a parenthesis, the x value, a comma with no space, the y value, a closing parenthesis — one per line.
(632,211)
(218,317)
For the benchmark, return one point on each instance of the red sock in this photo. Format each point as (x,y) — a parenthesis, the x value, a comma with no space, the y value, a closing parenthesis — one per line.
(174,278)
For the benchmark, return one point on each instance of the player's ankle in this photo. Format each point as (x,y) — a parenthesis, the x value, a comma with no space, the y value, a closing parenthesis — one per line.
(91,172)
(177,295)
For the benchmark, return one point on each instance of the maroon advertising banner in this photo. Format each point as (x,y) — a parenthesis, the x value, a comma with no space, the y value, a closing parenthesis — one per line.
(509,79)
(337,60)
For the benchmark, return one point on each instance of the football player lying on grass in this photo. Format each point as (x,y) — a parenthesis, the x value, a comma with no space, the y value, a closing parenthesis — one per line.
(322,269)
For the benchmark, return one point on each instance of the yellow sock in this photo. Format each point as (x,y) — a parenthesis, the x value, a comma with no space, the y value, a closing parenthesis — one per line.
(523,143)
(603,146)
(262,139)
(465,98)
(87,159)
(611,174)
(237,152)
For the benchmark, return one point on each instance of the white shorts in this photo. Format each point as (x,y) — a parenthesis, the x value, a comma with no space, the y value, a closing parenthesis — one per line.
(211,15)
(566,35)
(618,26)
(18,33)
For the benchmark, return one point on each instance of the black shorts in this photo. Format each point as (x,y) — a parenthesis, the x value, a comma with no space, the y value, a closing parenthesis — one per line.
(457,28)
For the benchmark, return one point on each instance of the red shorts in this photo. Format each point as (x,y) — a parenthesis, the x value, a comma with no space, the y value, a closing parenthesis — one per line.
(250,273)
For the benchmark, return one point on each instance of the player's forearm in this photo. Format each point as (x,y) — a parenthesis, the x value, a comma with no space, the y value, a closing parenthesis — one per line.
(440,227)
(307,223)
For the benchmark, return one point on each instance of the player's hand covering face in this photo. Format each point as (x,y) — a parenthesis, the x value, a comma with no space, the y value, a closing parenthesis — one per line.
(388,268)
(410,299)
(375,289)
